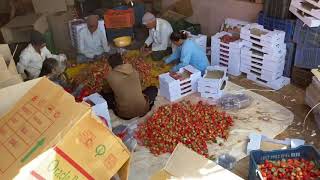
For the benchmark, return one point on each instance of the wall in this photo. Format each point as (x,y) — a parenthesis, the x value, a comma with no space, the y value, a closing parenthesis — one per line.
(211,13)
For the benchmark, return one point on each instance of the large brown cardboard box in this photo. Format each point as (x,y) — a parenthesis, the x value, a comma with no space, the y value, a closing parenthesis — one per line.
(49,6)
(59,27)
(19,29)
(45,134)
(187,164)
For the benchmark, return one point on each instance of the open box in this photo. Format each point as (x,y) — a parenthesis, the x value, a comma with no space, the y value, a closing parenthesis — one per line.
(45,134)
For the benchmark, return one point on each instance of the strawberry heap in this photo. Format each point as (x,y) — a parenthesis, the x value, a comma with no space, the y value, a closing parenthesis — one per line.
(291,169)
(194,125)
(141,66)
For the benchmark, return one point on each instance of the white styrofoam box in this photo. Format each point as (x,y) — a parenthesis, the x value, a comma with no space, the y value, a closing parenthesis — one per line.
(276,84)
(100,108)
(306,8)
(257,54)
(174,89)
(267,65)
(211,95)
(277,49)
(314,2)
(75,29)
(257,34)
(308,20)
(261,73)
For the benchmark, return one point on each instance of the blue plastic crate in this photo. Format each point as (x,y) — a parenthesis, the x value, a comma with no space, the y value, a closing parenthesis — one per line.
(291,50)
(307,57)
(306,36)
(285,25)
(258,157)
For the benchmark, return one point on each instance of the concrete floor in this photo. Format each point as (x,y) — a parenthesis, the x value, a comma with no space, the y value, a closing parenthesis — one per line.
(291,97)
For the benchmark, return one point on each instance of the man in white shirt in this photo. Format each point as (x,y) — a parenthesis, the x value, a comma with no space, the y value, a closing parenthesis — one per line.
(159,37)
(32,57)
(93,42)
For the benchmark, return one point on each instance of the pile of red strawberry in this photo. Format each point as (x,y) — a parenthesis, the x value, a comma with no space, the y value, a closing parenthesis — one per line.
(194,125)
(141,66)
(291,169)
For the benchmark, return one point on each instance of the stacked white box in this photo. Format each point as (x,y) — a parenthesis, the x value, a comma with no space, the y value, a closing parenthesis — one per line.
(306,10)
(173,89)
(75,27)
(212,87)
(226,54)
(263,57)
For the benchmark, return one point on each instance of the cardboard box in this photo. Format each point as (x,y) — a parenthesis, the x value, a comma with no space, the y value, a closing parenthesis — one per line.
(46,134)
(8,72)
(49,6)
(187,164)
(19,29)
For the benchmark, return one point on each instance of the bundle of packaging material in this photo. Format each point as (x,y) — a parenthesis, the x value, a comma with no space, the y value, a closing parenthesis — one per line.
(306,10)
(263,56)
(174,86)
(212,84)
(225,51)
(75,27)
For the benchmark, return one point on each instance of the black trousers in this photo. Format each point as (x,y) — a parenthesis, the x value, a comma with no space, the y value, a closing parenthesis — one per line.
(150,92)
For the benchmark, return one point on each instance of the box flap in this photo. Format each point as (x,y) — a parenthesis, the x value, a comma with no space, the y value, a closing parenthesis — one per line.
(5,52)
(49,6)
(187,164)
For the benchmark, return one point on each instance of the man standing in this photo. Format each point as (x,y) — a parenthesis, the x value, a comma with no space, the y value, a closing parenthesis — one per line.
(93,42)
(159,37)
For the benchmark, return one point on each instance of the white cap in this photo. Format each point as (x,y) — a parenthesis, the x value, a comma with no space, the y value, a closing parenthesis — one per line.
(147,18)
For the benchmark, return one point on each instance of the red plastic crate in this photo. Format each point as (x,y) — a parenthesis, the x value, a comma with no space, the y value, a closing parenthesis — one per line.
(116,19)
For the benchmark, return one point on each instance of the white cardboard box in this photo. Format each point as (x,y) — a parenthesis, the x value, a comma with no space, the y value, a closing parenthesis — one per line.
(257,34)
(173,89)
(308,20)
(313,11)
(276,84)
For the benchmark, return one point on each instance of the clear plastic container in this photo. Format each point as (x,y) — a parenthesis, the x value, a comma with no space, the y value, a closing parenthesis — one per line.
(235,101)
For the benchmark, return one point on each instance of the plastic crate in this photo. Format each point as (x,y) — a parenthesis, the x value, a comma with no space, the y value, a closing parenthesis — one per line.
(119,18)
(271,23)
(307,57)
(291,50)
(258,157)
(306,36)
(277,8)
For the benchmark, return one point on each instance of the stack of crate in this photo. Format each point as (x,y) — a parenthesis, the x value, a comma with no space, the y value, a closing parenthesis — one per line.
(307,11)
(174,86)
(263,57)
(225,51)
(212,84)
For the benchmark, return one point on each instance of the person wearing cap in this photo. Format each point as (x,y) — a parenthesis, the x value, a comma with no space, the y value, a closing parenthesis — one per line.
(158,42)
(93,44)
(32,57)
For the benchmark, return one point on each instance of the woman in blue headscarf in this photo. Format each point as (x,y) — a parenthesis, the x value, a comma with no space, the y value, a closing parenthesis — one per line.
(188,53)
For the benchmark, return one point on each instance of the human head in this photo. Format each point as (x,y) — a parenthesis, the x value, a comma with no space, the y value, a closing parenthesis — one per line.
(178,38)
(92,23)
(49,67)
(149,20)
(115,60)
(37,40)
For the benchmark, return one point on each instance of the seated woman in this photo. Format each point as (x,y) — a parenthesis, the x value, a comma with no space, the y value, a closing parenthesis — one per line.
(188,52)
(50,69)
